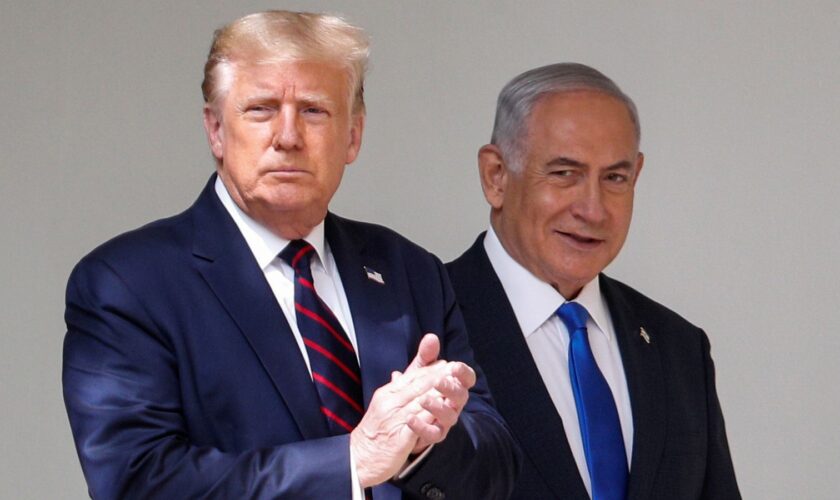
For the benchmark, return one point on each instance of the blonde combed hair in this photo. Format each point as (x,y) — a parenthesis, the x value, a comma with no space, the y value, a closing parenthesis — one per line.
(281,36)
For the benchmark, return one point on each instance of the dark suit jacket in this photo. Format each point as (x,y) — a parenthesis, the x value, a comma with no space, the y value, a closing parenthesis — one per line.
(182,378)
(679,444)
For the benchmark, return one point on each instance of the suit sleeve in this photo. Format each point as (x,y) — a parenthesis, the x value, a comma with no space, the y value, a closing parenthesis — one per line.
(120,378)
(479,458)
(720,480)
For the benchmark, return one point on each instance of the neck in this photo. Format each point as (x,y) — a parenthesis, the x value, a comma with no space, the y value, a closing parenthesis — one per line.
(287,225)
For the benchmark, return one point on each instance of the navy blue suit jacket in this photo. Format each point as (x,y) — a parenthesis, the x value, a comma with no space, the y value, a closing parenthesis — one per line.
(182,378)
(680,449)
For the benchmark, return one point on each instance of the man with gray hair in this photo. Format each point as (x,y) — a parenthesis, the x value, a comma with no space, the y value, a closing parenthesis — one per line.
(258,346)
(610,394)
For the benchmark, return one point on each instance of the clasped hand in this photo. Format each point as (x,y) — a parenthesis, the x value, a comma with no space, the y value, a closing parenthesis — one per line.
(413,411)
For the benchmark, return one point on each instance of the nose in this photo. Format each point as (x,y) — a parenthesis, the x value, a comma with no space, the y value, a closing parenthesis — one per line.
(589,205)
(287,133)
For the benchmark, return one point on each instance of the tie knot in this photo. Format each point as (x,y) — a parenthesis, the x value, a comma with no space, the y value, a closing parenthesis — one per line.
(573,316)
(297,254)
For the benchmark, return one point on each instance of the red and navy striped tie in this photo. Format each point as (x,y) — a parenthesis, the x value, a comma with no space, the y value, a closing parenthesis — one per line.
(335,370)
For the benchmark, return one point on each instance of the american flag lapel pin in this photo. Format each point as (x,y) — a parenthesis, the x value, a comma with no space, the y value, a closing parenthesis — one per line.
(374,275)
(644,334)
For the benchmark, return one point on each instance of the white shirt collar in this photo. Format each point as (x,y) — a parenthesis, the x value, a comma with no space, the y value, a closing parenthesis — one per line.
(264,244)
(534,301)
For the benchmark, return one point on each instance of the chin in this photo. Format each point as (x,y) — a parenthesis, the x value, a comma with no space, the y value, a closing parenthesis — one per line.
(296,206)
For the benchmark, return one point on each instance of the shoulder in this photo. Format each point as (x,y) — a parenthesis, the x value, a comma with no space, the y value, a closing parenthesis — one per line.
(472,267)
(144,255)
(659,320)
(414,273)
(167,239)
(378,240)
(618,291)
(150,242)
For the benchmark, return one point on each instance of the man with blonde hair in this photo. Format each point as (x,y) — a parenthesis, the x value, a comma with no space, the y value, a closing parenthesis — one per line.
(258,346)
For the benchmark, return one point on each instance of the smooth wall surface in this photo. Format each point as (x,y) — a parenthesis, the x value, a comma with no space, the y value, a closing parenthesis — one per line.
(736,222)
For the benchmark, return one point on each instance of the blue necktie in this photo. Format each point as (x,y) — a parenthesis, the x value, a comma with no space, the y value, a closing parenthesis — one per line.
(600,428)
(335,370)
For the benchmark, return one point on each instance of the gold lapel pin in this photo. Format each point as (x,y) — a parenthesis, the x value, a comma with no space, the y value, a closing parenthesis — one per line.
(644,334)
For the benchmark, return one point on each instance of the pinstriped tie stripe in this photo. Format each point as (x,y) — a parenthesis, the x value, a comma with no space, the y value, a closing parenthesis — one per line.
(335,370)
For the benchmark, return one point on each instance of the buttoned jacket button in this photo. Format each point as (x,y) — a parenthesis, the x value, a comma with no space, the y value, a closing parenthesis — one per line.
(432,492)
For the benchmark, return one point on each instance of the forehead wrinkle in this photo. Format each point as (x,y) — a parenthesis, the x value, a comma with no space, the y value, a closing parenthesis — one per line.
(257,88)
(261,96)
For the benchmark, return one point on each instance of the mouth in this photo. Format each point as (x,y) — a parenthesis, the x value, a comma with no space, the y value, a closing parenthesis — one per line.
(580,241)
(286,170)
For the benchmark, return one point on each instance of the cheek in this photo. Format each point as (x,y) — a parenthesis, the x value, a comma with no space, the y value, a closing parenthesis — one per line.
(249,136)
(232,141)
(334,144)
(622,212)
(547,208)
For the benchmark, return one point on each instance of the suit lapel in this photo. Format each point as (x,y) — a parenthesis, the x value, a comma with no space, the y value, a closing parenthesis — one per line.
(519,391)
(378,320)
(643,370)
(229,268)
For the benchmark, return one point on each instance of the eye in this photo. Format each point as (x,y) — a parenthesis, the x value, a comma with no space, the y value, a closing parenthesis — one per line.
(618,182)
(565,176)
(259,111)
(314,110)
(617,178)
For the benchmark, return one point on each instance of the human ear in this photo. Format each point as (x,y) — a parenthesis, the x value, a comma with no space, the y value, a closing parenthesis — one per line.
(213,129)
(640,162)
(493,173)
(357,127)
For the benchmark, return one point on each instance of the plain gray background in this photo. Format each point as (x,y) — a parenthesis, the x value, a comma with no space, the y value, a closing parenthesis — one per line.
(736,222)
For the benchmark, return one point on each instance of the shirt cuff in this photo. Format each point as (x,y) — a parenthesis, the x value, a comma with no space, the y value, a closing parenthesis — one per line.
(409,467)
(358,493)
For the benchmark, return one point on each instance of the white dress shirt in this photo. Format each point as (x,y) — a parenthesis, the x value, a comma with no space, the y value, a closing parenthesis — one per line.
(534,303)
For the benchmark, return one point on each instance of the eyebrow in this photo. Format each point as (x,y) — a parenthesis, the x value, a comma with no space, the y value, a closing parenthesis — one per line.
(308,98)
(312,98)
(623,164)
(250,100)
(563,161)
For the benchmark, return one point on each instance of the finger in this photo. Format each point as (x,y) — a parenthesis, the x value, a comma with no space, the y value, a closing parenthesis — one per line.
(404,388)
(416,417)
(427,433)
(444,411)
(455,394)
(416,381)
(463,373)
(427,352)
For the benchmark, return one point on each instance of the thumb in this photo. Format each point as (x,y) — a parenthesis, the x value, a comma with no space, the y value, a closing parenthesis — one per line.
(427,352)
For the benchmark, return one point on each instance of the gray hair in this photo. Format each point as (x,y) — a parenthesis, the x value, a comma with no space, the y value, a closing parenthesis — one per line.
(278,36)
(518,97)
